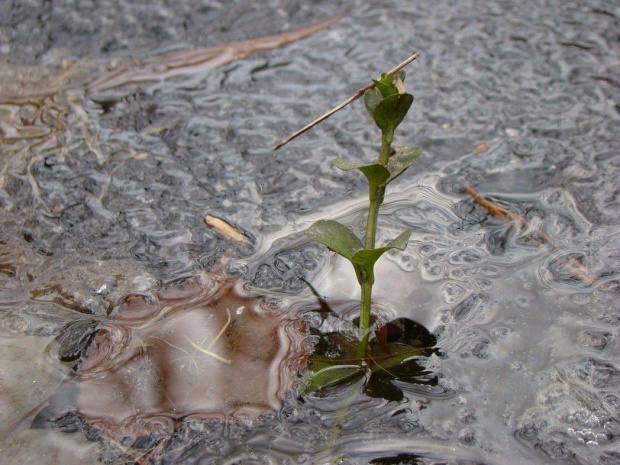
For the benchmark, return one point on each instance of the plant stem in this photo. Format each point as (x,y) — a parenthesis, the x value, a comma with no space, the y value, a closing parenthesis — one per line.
(386,147)
(376,196)
(376,199)
(362,347)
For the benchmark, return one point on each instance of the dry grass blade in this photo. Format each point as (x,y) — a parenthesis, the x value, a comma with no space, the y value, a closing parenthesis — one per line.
(226,229)
(207,351)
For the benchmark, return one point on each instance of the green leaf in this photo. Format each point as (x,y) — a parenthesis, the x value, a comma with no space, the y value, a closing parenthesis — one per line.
(331,376)
(400,242)
(376,173)
(399,353)
(372,98)
(386,88)
(333,349)
(367,258)
(386,83)
(402,159)
(336,236)
(390,111)
(364,260)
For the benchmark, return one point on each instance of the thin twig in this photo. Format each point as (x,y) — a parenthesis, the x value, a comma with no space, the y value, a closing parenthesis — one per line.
(357,95)
(509,217)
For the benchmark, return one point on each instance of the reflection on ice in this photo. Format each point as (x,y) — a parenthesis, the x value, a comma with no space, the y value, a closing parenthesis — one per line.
(204,348)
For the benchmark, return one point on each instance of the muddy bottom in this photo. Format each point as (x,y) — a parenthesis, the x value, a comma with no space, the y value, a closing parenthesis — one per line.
(200,348)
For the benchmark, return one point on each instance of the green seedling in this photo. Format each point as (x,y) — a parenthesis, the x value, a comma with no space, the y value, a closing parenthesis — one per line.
(387,102)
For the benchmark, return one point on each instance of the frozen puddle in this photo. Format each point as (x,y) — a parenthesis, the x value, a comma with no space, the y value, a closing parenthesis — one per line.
(202,348)
(525,370)
(528,371)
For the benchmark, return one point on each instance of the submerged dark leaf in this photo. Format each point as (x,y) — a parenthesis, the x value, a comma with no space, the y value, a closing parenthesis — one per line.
(392,355)
(333,349)
(331,376)
(400,459)
(74,338)
(380,387)
(398,353)
(405,331)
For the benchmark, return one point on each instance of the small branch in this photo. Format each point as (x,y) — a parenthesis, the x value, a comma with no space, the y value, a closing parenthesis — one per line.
(357,95)
(517,221)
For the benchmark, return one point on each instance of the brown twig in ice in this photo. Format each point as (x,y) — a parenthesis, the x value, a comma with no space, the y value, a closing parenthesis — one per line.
(537,236)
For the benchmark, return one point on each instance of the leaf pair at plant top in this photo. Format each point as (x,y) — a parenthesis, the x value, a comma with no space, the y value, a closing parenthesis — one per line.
(389,83)
(334,362)
(379,175)
(344,242)
(387,103)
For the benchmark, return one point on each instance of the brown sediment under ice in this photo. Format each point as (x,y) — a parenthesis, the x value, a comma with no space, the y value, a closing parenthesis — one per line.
(203,348)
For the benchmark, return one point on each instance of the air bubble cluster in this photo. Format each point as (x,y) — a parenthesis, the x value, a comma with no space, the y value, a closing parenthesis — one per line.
(289,270)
